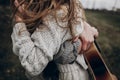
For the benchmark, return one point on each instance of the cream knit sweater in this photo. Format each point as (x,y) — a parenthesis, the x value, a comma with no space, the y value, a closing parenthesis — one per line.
(36,50)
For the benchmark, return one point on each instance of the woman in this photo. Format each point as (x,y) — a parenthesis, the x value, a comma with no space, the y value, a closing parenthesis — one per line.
(46,28)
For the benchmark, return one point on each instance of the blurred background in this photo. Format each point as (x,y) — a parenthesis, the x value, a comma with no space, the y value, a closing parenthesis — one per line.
(103,14)
(111,5)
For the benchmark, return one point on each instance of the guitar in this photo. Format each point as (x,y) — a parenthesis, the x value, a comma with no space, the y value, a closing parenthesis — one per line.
(97,65)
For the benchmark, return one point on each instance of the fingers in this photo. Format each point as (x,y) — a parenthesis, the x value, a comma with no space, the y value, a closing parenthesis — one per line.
(19,18)
(75,39)
(86,43)
(16,3)
(20,8)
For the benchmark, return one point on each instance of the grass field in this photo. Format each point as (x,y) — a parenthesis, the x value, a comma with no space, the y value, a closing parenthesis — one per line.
(107,23)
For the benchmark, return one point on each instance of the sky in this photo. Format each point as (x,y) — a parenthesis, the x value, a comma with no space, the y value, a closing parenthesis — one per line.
(101,4)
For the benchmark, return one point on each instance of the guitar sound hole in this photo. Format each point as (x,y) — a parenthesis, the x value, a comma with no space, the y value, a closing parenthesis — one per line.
(98,66)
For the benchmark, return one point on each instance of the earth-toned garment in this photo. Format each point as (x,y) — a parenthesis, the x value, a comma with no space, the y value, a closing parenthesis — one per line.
(35,51)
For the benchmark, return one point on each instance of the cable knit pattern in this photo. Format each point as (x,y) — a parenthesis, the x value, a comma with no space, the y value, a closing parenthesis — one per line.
(36,50)
(33,57)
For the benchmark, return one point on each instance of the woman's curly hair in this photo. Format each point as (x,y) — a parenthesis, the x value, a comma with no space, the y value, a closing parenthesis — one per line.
(35,10)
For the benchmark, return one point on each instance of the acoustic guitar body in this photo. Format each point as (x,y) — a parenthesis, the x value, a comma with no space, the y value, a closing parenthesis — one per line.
(97,65)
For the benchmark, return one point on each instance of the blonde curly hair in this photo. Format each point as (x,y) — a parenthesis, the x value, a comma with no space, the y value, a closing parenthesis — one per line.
(35,10)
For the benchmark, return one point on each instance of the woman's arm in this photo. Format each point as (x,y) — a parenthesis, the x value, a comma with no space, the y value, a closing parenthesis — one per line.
(32,57)
(33,51)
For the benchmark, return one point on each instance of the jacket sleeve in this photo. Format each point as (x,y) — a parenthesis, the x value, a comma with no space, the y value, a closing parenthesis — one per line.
(33,54)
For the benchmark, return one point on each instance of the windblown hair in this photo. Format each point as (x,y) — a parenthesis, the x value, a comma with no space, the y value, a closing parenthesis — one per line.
(35,10)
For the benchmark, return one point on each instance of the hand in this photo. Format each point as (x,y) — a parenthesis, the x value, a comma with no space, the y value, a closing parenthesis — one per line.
(18,18)
(87,36)
(20,7)
(20,11)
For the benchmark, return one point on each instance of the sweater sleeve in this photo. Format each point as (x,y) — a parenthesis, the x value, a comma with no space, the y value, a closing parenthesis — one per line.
(33,54)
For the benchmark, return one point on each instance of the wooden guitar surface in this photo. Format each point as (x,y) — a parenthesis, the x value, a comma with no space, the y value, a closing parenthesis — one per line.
(97,65)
